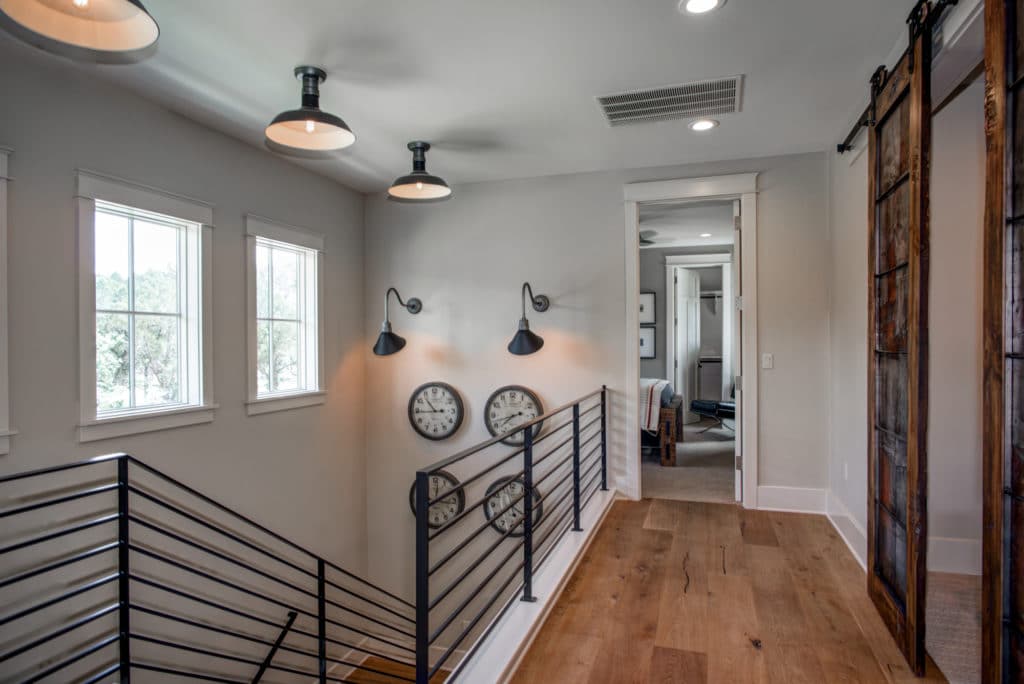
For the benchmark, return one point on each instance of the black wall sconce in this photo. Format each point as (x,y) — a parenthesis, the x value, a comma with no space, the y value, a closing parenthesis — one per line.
(388,342)
(525,341)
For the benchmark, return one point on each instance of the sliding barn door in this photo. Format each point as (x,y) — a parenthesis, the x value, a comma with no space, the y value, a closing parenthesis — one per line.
(1003,586)
(899,148)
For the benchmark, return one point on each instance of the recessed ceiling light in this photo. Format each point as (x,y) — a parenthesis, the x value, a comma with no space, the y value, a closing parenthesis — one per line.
(701,125)
(699,6)
(705,234)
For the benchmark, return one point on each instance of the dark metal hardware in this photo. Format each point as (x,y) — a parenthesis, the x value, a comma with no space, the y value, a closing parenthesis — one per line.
(346,604)
(486,577)
(528,516)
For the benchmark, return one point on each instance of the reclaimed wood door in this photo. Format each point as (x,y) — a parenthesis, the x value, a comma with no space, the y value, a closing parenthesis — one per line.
(899,149)
(1003,560)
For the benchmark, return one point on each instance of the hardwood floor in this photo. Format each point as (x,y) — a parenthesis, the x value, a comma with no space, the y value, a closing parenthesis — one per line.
(401,673)
(674,591)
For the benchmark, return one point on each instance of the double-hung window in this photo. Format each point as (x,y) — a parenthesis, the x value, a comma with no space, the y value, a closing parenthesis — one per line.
(143,332)
(285,318)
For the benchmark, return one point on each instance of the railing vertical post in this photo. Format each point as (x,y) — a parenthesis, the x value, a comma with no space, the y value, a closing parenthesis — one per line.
(123,575)
(604,438)
(321,618)
(422,578)
(576,468)
(528,515)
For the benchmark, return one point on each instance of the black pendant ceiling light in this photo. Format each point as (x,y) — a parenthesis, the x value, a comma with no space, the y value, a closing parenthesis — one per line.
(419,186)
(308,131)
(526,341)
(388,342)
(104,31)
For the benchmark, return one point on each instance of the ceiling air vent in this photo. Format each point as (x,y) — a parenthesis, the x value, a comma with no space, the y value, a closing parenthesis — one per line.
(687,101)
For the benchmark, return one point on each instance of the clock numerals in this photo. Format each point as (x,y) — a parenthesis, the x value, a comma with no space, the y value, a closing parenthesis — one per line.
(445,510)
(435,410)
(508,409)
(503,514)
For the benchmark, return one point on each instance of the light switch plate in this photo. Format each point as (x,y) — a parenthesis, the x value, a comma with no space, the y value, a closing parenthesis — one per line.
(767,361)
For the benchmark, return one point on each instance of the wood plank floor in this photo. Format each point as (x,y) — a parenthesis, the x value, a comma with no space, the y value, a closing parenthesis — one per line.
(674,591)
(384,668)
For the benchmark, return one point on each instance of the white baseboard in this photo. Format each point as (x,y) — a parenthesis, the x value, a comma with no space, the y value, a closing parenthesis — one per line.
(505,645)
(945,554)
(791,499)
(960,556)
(851,531)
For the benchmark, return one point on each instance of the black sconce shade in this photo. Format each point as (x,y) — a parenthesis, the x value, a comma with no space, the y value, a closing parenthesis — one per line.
(103,31)
(526,341)
(419,186)
(388,342)
(308,131)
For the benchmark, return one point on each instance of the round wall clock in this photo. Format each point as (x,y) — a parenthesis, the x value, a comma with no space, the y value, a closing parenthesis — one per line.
(503,492)
(440,513)
(435,410)
(508,408)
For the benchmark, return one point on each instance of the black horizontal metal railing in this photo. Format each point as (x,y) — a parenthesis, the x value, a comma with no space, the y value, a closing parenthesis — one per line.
(188,587)
(570,464)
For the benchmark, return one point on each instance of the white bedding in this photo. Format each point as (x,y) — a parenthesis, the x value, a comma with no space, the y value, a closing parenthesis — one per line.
(650,402)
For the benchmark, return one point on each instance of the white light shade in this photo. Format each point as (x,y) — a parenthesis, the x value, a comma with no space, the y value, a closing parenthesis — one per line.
(700,6)
(297,134)
(108,31)
(701,125)
(419,191)
(705,235)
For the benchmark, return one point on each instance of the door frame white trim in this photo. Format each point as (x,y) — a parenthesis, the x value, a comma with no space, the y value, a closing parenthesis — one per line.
(732,187)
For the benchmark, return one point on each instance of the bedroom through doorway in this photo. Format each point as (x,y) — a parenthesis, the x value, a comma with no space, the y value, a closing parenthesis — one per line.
(689,350)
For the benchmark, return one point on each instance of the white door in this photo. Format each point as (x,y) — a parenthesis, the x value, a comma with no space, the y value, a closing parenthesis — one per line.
(737,337)
(687,337)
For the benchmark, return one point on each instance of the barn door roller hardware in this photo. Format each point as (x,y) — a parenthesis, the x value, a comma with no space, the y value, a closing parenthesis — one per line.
(923,18)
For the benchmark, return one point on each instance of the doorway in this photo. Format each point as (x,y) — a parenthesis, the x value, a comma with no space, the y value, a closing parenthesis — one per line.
(738,195)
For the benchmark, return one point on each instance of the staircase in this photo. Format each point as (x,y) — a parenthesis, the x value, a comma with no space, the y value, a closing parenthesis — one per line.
(112,569)
(119,570)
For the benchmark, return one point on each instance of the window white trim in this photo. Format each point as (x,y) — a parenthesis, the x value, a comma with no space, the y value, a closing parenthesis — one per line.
(5,408)
(259,227)
(93,187)
(98,186)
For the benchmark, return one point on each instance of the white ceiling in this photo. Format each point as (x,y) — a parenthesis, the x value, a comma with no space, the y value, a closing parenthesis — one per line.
(683,224)
(506,89)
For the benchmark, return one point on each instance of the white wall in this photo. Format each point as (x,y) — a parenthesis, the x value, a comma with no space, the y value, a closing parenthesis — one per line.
(954,416)
(955,353)
(467,259)
(848,350)
(301,472)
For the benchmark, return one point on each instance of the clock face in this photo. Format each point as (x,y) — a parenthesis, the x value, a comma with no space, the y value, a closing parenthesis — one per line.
(435,410)
(440,513)
(505,516)
(510,407)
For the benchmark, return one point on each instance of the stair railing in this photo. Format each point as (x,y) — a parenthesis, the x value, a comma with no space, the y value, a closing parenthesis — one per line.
(117,573)
(462,577)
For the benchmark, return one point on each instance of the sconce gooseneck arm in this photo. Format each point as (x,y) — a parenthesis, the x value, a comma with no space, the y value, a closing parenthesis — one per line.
(526,288)
(387,299)
(413,306)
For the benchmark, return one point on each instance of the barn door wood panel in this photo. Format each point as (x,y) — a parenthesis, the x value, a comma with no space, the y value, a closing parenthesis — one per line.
(1003,559)
(899,149)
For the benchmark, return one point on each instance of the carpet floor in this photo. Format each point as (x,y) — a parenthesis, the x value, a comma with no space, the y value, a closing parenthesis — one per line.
(705,467)
(953,626)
